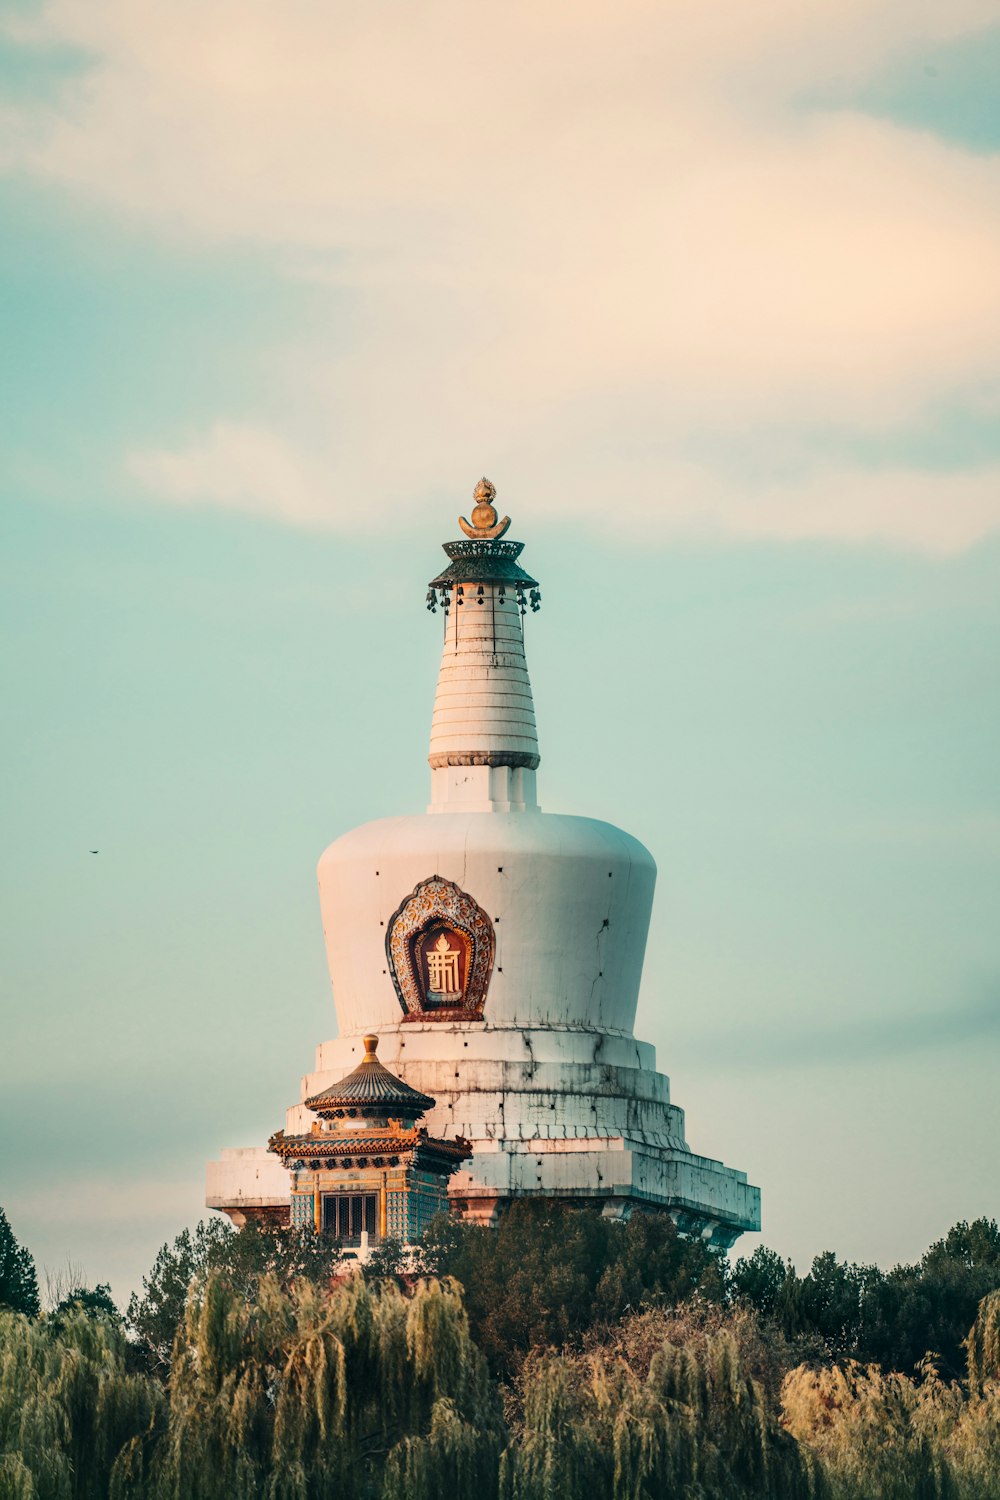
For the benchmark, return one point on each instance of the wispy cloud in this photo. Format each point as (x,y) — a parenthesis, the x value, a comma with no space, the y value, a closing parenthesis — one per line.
(239,466)
(581,248)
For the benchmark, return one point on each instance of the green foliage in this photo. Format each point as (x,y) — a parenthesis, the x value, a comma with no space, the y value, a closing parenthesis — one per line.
(74,1423)
(455,1458)
(548,1273)
(829,1301)
(242,1257)
(759,1280)
(889,1436)
(691,1423)
(266,1380)
(313,1393)
(556,1454)
(300,1393)
(18,1282)
(308,1391)
(388,1258)
(93,1302)
(983,1345)
(764,1351)
(955,1275)
(890,1318)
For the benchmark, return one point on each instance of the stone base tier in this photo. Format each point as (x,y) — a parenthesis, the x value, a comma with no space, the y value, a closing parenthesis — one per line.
(558,1113)
(705,1199)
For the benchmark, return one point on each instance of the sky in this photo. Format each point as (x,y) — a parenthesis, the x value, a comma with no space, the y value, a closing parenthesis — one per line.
(711,293)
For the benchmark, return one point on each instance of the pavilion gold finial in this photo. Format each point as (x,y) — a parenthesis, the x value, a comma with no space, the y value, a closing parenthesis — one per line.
(371,1047)
(484,526)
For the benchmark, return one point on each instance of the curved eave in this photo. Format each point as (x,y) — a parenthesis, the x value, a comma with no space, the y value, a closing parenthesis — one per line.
(341,1148)
(483,570)
(367,1109)
(371,1088)
(383,1104)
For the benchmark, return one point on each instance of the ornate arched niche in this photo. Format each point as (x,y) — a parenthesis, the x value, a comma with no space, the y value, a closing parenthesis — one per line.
(440,945)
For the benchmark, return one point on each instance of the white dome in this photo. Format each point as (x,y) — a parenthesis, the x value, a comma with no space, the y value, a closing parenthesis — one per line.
(569,899)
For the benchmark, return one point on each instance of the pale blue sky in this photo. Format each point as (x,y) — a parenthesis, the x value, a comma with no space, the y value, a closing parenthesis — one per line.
(717,310)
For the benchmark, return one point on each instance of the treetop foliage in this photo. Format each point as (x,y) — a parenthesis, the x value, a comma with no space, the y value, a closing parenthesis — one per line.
(18,1282)
(242,1257)
(548,1272)
(562,1356)
(93,1302)
(890,1318)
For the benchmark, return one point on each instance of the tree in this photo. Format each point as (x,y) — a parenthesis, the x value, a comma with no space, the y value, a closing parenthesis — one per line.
(548,1272)
(975,1247)
(75,1424)
(879,1436)
(93,1302)
(832,1298)
(241,1257)
(18,1282)
(929,1307)
(758,1279)
(388,1258)
(982,1345)
(686,1420)
(315,1394)
(890,1318)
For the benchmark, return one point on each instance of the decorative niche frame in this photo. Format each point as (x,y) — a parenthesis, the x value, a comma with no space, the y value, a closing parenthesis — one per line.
(441,948)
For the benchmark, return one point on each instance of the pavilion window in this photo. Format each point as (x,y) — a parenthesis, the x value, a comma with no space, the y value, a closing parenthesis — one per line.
(347,1214)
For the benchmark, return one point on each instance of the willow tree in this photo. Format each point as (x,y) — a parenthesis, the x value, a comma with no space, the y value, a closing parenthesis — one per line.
(74,1423)
(694,1424)
(982,1347)
(307,1394)
(880,1436)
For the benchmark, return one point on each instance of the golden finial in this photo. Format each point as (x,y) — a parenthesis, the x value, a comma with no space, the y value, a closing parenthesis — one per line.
(484,526)
(371,1047)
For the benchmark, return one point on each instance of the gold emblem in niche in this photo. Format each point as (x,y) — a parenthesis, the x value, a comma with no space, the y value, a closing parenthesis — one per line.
(442,970)
(442,963)
(440,946)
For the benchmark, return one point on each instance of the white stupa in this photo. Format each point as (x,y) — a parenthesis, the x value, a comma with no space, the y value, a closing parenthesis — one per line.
(496,951)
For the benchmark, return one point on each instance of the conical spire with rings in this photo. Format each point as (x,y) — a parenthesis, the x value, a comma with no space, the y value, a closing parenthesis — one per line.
(484,743)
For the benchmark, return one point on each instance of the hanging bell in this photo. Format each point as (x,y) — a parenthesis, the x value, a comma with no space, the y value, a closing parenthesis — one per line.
(479,594)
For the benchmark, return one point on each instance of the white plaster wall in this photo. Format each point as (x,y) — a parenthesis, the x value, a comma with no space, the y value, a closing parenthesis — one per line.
(570,900)
(458,789)
(476,1041)
(249,1176)
(483,701)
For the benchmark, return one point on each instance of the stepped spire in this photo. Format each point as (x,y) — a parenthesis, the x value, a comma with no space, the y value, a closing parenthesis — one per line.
(484,716)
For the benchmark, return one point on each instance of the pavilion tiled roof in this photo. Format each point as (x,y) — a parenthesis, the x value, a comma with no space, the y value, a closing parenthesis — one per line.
(371,1088)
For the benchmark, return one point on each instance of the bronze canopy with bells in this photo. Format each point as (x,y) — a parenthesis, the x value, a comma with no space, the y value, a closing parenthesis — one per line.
(482,558)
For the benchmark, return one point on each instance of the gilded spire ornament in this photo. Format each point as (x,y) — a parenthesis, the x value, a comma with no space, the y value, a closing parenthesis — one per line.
(484,526)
